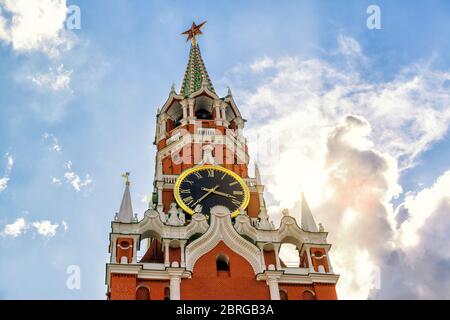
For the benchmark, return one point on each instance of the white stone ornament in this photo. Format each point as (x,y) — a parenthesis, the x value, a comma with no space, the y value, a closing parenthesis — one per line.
(198,208)
(263,222)
(181,216)
(321,228)
(208,157)
(174,219)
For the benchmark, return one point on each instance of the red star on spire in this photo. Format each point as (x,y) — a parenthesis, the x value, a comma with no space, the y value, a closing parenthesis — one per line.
(193,31)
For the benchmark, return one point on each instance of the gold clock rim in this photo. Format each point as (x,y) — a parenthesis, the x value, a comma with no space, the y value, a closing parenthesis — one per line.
(187,172)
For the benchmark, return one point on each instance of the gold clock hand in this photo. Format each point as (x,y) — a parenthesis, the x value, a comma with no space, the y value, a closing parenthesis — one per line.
(205,195)
(219,193)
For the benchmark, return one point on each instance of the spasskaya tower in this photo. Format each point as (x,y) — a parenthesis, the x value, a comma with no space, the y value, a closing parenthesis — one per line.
(207,230)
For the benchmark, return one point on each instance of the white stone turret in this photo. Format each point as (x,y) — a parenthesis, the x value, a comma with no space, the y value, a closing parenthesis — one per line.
(126,209)
(308,223)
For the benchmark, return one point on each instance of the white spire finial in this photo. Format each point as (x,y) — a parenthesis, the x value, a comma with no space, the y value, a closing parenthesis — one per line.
(308,223)
(126,209)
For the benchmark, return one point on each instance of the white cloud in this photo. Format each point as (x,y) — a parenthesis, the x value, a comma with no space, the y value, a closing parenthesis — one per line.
(65,225)
(261,64)
(15,229)
(75,180)
(421,206)
(38,25)
(349,46)
(45,228)
(55,79)
(344,140)
(54,144)
(9,166)
(56,181)
(3,183)
(19,227)
(72,178)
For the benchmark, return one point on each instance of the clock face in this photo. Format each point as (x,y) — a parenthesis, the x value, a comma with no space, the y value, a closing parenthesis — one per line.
(210,186)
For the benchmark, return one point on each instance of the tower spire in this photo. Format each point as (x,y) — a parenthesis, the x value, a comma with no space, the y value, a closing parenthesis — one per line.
(196,75)
(308,223)
(126,210)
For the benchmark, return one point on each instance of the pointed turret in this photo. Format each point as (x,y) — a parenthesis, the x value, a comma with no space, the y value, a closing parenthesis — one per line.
(308,223)
(196,75)
(126,210)
(257,175)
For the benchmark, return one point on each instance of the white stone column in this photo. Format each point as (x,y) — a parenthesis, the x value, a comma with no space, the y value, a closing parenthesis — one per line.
(134,259)
(191,107)
(263,261)
(182,257)
(277,256)
(163,127)
(218,117)
(223,114)
(175,287)
(310,264)
(114,250)
(330,268)
(274,290)
(166,253)
(159,187)
(175,283)
(184,107)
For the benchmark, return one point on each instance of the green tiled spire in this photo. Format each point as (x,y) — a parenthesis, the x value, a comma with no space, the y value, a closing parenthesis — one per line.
(196,75)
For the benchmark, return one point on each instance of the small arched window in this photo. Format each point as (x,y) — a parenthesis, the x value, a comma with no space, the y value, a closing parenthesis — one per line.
(142,293)
(124,244)
(308,295)
(222,263)
(166,293)
(283,295)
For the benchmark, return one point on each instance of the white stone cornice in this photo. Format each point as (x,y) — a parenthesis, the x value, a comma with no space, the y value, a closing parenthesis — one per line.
(309,279)
(141,273)
(152,226)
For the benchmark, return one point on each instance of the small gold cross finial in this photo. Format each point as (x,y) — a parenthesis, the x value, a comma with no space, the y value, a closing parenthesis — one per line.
(126,176)
(194,31)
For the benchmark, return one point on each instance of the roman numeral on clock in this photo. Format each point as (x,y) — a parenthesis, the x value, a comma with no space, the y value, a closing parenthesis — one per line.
(188,200)
(185,191)
(233,183)
(238,193)
(198,175)
(236,202)
(210,173)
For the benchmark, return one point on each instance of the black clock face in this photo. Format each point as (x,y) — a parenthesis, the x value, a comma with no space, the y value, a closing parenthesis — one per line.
(210,186)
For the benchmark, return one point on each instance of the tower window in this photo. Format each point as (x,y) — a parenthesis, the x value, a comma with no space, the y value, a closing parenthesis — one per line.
(203,114)
(166,293)
(142,293)
(283,295)
(223,263)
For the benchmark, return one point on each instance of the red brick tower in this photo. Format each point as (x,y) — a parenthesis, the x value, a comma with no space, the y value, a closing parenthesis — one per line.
(207,228)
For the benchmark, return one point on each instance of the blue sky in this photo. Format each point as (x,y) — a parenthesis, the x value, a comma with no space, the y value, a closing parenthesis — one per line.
(119,70)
